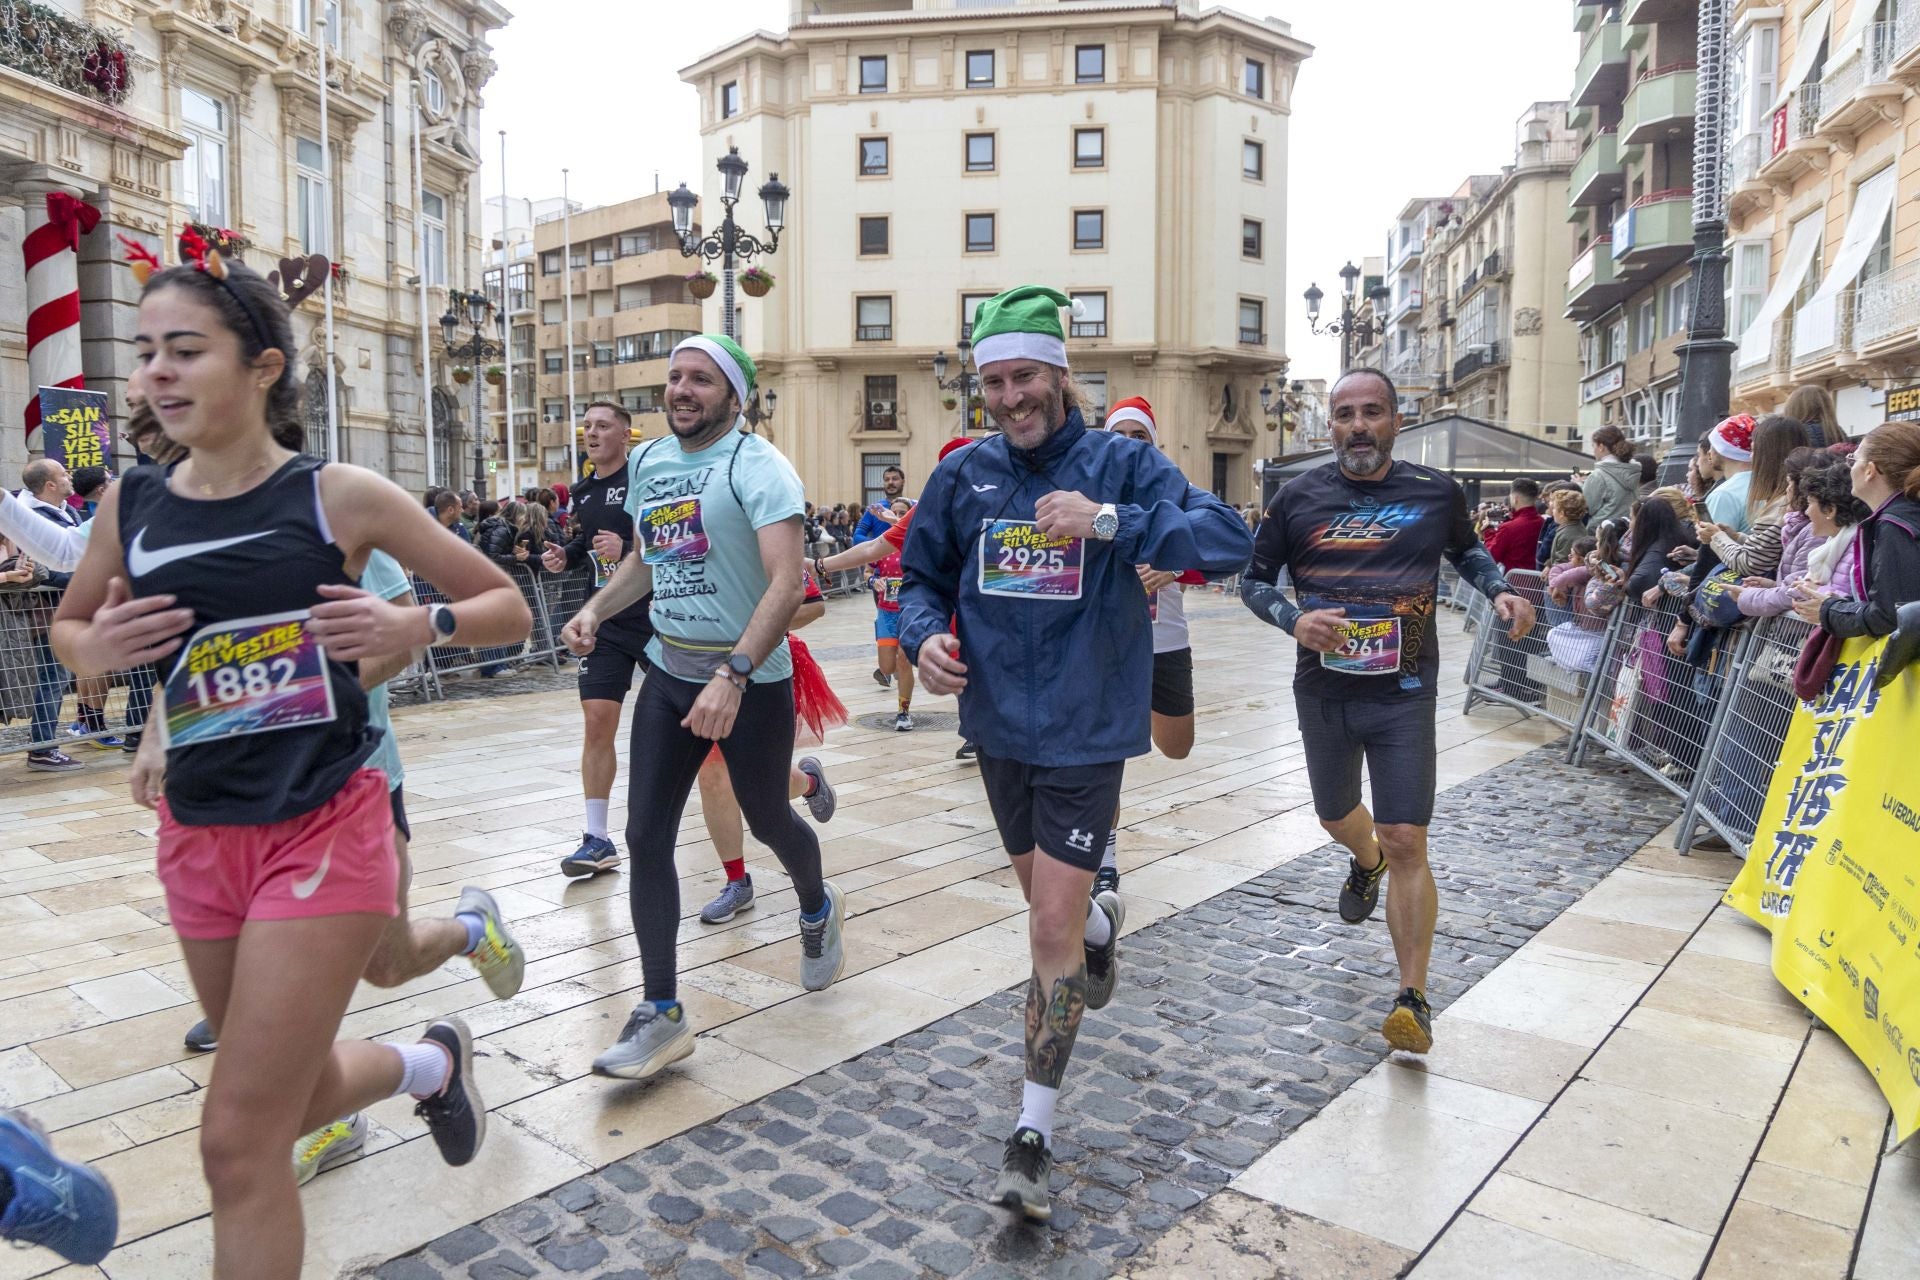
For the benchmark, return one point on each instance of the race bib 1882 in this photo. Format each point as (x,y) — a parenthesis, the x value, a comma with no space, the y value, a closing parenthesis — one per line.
(252,675)
(671,530)
(1016,559)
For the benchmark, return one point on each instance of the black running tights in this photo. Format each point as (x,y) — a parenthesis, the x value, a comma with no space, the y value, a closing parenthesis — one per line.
(662,768)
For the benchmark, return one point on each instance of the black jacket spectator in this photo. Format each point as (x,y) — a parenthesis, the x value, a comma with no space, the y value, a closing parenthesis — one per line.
(1657,530)
(1890,549)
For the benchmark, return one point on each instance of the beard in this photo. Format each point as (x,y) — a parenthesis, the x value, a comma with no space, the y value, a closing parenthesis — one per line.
(708,426)
(1363,458)
(1052,412)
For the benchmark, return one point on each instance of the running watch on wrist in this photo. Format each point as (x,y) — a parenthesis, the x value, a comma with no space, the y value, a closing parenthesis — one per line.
(1106,522)
(737,668)
(440,618)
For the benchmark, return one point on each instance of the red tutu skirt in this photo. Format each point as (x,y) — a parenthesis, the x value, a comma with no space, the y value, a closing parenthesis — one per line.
(814,705)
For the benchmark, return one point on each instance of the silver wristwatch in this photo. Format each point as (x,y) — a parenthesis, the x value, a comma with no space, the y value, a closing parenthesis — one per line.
(1106,522)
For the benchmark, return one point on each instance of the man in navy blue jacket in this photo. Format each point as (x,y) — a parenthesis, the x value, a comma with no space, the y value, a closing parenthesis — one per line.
(1025,544)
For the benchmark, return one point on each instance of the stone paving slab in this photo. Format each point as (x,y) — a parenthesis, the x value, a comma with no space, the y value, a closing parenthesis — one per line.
(1236,1020)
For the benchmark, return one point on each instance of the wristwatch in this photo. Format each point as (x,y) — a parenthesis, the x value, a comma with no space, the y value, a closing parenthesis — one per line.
(440,618)
(1106,522)
(737,668)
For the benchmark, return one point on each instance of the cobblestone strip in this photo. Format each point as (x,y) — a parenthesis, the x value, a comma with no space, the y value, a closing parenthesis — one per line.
(1235,1021)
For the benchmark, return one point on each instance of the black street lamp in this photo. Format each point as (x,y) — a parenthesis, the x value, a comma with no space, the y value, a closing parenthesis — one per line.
(962,384)
(1347,326)
(755,413)
(729,243)
(473,351)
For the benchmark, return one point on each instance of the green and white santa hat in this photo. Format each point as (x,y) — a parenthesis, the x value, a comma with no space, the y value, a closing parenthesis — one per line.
(735,364)
(1021,324)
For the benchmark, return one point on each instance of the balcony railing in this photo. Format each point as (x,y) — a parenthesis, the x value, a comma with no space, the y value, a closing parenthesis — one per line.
(1744,158)
(1492,355)
(1888,305)
(873,333)
(1253,337)
(1088,329)
(1798,120)
(1871,64)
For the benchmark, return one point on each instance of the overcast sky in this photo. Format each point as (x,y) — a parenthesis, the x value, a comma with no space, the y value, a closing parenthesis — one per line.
(1401,98)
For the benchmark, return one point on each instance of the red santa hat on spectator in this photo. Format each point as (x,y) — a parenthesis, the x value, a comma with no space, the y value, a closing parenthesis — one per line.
(954,445)
(1733,439)
(1134,409)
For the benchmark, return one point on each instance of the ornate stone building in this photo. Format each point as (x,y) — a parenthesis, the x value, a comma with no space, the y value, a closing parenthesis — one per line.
(206,113)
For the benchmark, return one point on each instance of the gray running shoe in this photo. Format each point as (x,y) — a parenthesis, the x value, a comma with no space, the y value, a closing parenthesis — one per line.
(498,958)
(821,802)
(1024,1172)
(1103,963)
(652,1039)
(735,898)
(823,955)
(201,1037)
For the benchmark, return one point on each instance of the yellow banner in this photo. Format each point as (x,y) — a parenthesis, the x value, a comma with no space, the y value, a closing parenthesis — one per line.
(1834,872)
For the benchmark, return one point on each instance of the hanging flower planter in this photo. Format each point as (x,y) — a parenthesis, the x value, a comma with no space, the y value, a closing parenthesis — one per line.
(756,282)
(701,284)
(495,375)
(949,403)
(462,375)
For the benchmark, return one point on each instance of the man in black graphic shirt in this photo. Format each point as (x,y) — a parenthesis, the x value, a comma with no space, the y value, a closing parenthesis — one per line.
(1361,538)
(602,537)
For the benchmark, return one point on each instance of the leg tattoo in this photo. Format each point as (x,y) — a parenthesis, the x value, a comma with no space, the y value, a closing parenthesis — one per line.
(1053,1022)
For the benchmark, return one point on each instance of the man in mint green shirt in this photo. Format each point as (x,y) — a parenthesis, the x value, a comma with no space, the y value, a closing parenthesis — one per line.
(1732,443)
(717,528)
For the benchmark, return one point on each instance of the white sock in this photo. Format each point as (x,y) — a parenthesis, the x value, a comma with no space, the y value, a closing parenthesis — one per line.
(597,818)
(424,1068)
(1036,1109)
(1110,860)
(1099,927)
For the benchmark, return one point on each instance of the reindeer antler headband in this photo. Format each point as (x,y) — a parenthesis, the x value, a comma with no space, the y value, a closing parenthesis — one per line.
(296,280)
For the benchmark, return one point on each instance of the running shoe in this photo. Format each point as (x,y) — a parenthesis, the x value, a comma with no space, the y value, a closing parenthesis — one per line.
(1410,1025)
(105,742)
(130,743)
(456,1116)
(735,898)
(1361,891)
(595,854)
(1106,880)
(903,723)
(498,958)
(1103,963)
(823,955)
(328,1146)
(58,1204)
(968,751)
(650,1041)
(820,802)
(201,1037)
(52,760)
(1024,1173)
(881,678)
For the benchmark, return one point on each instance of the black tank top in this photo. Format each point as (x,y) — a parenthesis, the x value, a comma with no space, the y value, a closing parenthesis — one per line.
(262,552)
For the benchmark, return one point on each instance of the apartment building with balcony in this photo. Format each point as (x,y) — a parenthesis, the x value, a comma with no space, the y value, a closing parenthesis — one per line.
(1410,348)
(1132,153)
(1824,203)
(627,282)
(1630,203)
(1506,352)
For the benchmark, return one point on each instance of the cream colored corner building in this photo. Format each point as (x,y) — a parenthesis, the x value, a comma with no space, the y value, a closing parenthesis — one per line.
(1132,153)
(221,127)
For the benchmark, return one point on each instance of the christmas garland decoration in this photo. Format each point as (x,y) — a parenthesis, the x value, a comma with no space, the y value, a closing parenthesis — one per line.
(76,56)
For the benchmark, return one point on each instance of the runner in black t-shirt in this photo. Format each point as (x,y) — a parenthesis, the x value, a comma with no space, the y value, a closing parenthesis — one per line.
(602,536)
(1361,538)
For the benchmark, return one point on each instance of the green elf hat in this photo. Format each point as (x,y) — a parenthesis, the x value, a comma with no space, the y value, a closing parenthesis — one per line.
(733,360)
(1021,324)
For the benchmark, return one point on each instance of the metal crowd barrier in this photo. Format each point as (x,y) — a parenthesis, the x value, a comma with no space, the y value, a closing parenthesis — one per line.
(1707,726)
(1452,594)
(30,674)
(553,599)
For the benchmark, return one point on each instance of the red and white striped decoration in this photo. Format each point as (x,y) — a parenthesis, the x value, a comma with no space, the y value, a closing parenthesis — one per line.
(51,249)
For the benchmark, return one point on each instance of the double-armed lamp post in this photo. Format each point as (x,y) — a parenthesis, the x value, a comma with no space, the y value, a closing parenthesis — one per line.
(1354,332)
(475,351)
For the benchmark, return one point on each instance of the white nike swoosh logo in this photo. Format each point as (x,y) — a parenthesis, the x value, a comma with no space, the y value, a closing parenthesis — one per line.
(141,562)
(982,488)
(304,889)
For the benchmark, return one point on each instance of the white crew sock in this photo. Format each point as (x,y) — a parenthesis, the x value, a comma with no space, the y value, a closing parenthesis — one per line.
(1036,1109)
(1110,860)
(424,1068)
(597,818)
(1099,926)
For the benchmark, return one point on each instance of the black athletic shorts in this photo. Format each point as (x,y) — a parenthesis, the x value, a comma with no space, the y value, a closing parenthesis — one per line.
(1064,812)
(1173,683)
(399,804)
(1395,738)
(607,672)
